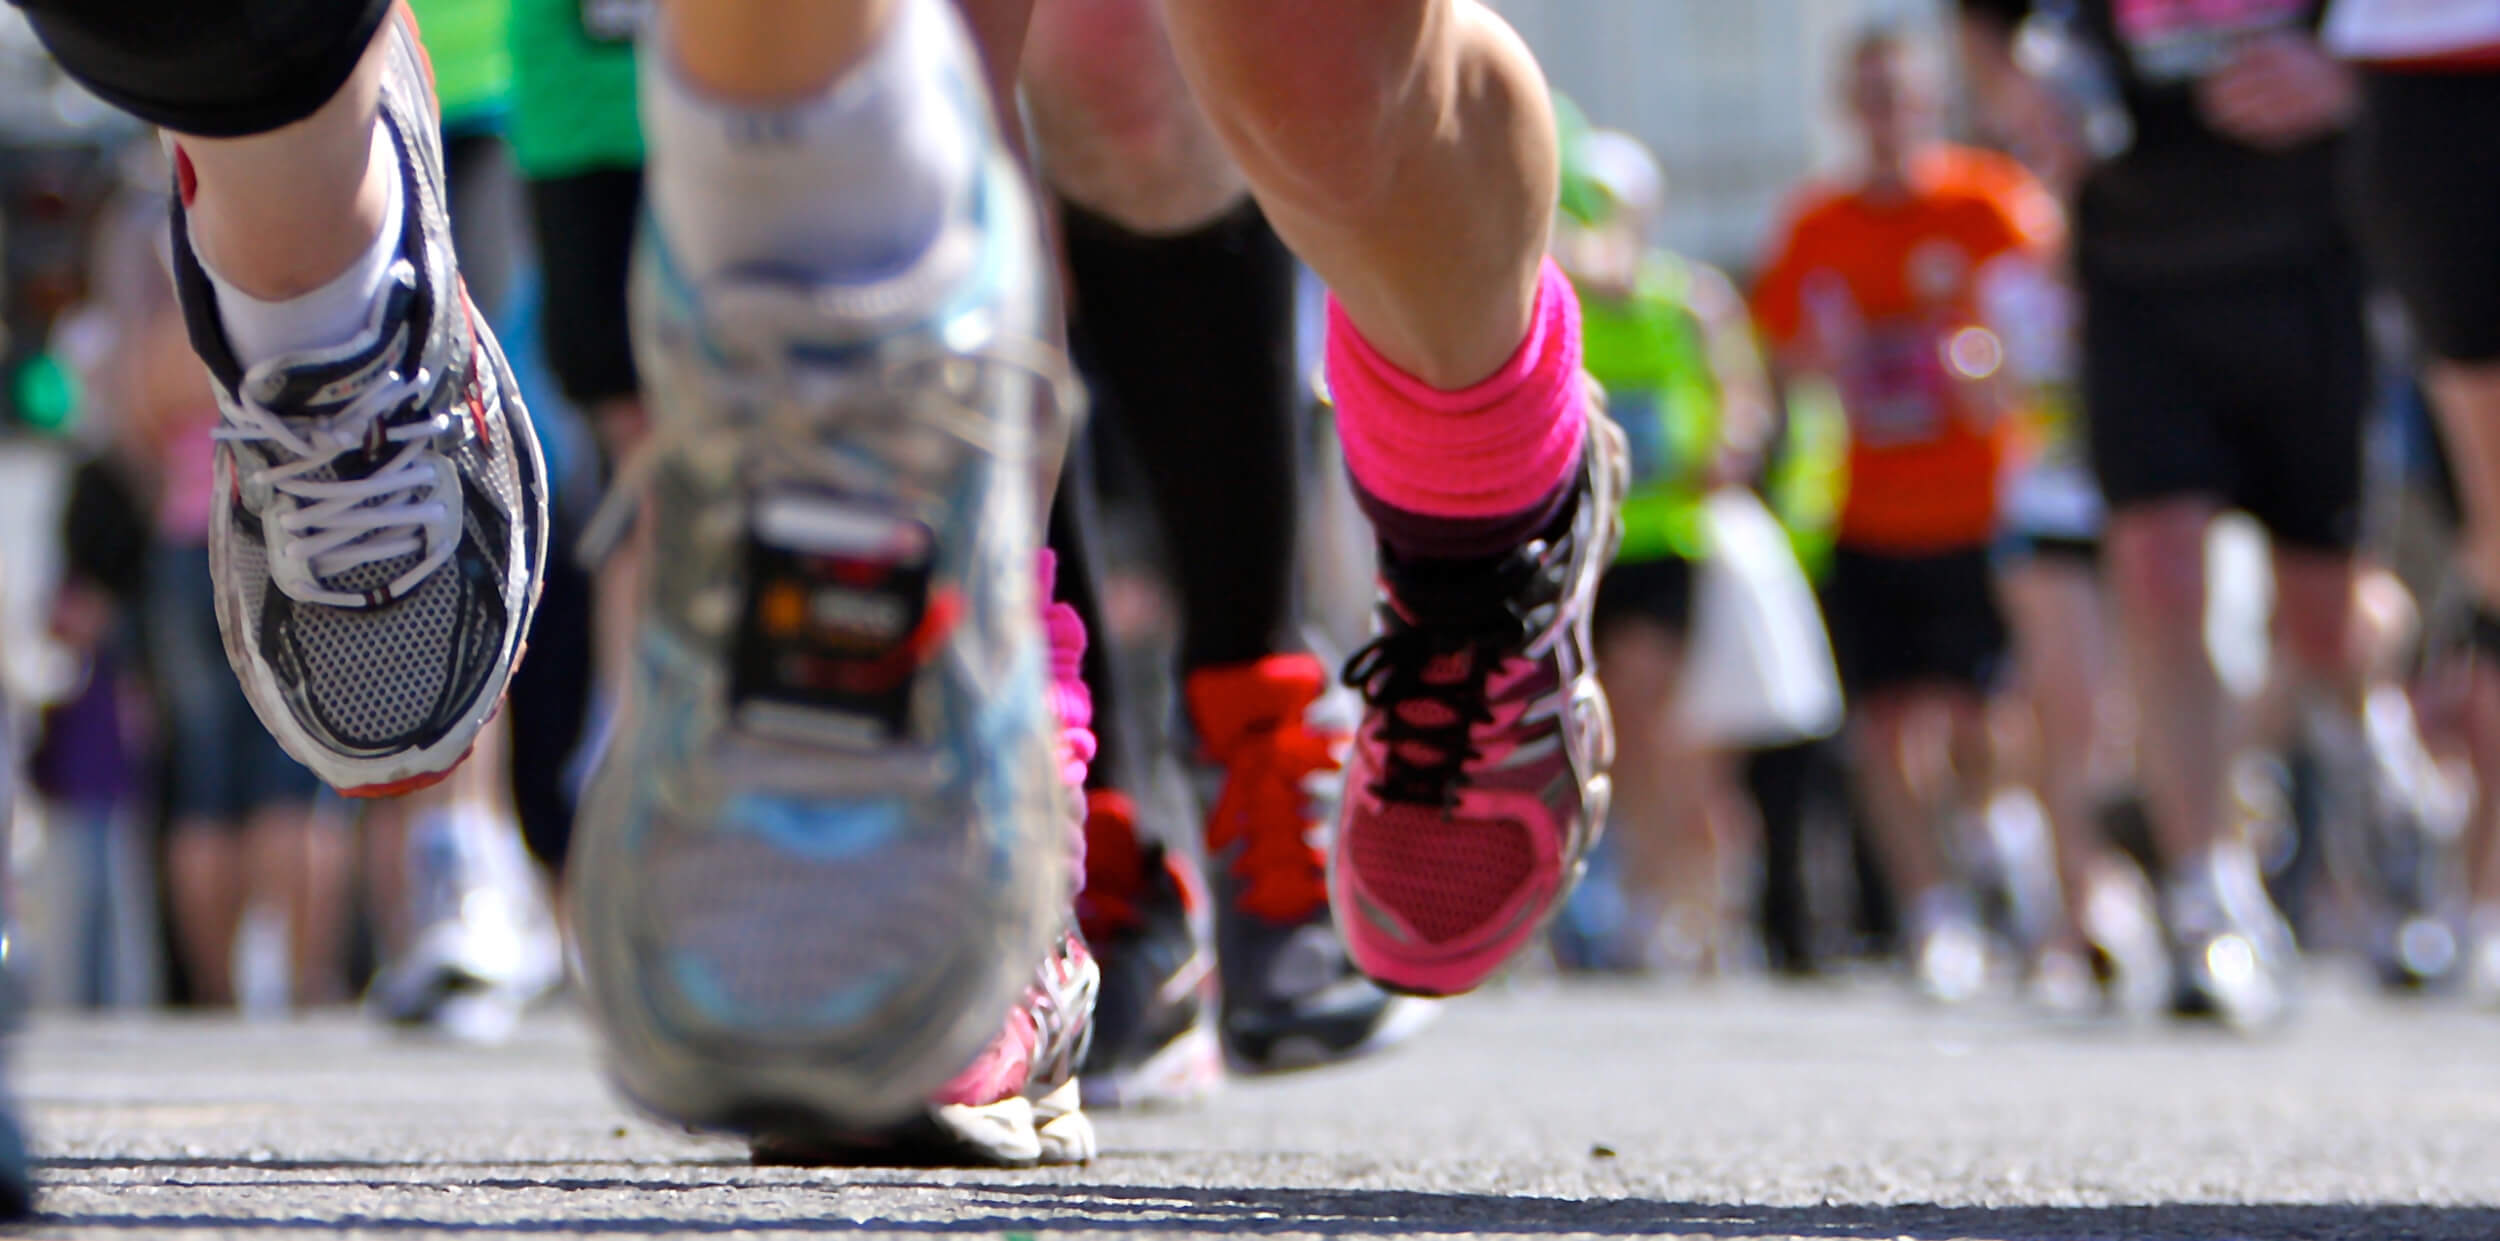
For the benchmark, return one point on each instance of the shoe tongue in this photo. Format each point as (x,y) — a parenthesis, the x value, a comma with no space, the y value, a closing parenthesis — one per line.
(1456,592)
(316,383)
(319,383)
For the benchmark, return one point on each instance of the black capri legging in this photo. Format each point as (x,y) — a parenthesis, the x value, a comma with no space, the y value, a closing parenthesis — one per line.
(212,68)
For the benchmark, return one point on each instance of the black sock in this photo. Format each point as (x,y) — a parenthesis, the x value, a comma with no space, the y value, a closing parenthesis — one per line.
(1189,343)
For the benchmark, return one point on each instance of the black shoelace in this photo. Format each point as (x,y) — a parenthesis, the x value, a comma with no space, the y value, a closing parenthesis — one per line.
(1487,615)
(1391,672)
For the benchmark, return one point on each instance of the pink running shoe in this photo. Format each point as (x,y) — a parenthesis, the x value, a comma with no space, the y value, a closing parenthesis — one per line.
(1479,782)
(1018,1105)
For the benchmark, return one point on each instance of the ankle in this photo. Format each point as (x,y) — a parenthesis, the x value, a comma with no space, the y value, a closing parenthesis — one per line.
(770,52)
(331,313)
(277,250)
(1470,473)
(848,180)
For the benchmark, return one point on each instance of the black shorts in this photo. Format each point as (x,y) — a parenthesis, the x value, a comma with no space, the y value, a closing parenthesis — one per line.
(1904,621)
(213,68)
(2251,392)
(2425,190)
(1657,591)
(221,764)
(585,229)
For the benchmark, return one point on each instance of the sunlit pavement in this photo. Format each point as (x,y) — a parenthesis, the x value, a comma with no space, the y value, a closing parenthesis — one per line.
(1729,1111)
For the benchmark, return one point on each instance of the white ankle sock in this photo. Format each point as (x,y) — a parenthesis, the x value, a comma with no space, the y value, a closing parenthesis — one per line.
(331,315)
(852,184)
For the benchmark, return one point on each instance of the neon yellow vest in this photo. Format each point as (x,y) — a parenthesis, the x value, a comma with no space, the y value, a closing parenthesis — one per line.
(1652,356)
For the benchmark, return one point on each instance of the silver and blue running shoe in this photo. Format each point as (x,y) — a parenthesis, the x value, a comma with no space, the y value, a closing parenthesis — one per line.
(828,845)
(381,508)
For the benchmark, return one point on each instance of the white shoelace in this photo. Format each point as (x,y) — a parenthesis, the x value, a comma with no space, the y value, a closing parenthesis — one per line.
(332,527)
(795,416)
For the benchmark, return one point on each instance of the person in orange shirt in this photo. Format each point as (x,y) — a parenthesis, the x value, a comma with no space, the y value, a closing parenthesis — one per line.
(1876,288)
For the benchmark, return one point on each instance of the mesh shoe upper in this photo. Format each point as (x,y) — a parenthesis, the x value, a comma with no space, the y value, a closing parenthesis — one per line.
(381,517)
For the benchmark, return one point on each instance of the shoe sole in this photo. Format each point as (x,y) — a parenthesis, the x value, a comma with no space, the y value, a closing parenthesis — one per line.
(1051,1131)
(851,1085)
(1405,1016)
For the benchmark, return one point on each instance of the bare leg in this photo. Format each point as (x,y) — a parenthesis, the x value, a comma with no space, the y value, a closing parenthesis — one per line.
(2064,660)
(299,860)
(1405,148)
(1120,135)
(204,875)
(1670,801)
(2468,402)
(2157,568)
(2314,626)
(1636,664)
(2467,398)
(2482,840)
(1890,737)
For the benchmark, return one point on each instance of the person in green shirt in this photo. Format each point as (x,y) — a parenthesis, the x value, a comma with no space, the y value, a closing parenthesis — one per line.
(472,61)
(1670,342)
(576,133)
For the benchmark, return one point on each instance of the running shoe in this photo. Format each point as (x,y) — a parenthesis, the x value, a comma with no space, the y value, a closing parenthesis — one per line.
(1144,913)
(381,519)
(1948,947)
(1478,783)
(1292,995)
(2231,959)
(2482,960)
(485,945)
(830,839)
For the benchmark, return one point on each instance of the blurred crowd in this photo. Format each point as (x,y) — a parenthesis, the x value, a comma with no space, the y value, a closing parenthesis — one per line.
(2038,570)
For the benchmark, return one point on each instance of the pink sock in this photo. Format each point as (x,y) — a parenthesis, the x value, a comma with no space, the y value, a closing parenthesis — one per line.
(1456,474)
(1069,697)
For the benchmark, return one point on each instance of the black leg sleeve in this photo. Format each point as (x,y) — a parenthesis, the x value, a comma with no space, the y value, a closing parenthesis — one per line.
(1189,342)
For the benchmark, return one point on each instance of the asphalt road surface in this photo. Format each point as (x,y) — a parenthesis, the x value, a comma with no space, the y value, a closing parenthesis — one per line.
(1736,1111)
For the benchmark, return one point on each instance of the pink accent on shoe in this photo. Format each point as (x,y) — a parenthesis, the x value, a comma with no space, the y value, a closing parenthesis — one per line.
(1072,701)
(1037,1049)
(1492,450)
(1069,695)
(1432,900)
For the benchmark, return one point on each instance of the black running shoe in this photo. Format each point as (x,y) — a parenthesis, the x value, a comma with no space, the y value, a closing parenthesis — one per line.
(1143,911)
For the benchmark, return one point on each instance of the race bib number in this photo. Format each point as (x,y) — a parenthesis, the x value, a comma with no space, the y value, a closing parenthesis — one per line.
(1896,389)
(2175,41)
(614,21)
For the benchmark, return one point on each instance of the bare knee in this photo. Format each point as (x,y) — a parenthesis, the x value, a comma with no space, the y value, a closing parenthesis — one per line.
(1118,131)
(1310,94)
